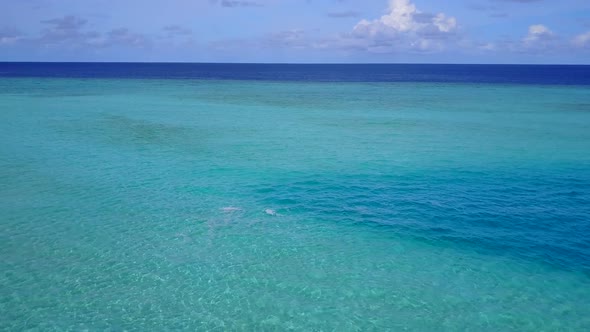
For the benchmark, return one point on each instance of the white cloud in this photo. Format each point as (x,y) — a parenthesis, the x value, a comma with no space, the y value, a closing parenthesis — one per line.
(70,31)
(582,40)
(444,23)
(540,40)
(538,32)
(400,16)
(9,35)
(405,27)
(487,46)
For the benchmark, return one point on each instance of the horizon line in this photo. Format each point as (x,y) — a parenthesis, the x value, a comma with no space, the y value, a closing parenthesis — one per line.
(305,63)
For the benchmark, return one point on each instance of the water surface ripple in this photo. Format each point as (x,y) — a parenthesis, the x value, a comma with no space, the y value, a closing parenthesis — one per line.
(150,204)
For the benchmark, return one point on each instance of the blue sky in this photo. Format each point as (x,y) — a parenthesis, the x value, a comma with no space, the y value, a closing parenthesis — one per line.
(341,31)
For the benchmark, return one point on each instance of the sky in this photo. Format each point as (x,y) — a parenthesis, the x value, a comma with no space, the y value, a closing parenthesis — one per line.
(297,31)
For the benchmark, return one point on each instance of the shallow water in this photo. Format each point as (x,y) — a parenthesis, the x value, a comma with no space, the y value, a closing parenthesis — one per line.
(240,205)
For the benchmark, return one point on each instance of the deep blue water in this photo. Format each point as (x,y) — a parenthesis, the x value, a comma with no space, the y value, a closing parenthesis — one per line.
(521,74)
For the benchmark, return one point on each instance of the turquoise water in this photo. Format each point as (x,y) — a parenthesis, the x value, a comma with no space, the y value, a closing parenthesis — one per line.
(239,205)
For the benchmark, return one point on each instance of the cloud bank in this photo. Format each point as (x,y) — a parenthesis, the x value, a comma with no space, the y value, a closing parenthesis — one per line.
(404,31)
(582,40)
(403,28)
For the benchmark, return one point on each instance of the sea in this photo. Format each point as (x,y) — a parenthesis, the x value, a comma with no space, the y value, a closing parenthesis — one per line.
(276,197)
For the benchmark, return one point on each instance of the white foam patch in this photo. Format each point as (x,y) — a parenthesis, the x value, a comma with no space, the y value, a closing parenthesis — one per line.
(230,209)
(270,212)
